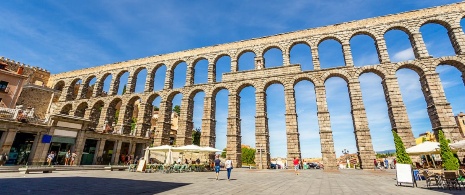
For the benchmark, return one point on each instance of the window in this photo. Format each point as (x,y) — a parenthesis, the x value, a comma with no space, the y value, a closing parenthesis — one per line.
(3,86)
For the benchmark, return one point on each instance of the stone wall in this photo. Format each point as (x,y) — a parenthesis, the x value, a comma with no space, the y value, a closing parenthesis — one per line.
(36,97)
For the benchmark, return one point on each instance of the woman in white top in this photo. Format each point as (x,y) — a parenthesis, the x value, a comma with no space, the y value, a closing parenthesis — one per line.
(229,166)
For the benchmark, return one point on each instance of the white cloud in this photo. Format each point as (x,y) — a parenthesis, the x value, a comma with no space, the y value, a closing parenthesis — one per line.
(404,55)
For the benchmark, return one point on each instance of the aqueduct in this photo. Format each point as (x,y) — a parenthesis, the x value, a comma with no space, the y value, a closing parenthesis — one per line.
(99,107)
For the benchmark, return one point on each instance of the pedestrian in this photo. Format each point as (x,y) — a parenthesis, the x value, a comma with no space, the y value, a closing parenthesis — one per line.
(186,162)
(217,165)
(73,158)
(386,163)
(375,163)
(395,162)
(229,166)
(198,161)
(67,157)
(296,165)
(50,158)
(179,160)
(3,158)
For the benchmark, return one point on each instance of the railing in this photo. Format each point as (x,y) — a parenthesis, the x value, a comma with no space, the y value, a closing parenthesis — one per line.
(20,115)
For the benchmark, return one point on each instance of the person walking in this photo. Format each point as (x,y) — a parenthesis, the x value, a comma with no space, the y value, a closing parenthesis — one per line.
(375,163)
(50,158)
(229,166)
(296,165)
(386,163)
(73,158)
(217,166)
(67,157)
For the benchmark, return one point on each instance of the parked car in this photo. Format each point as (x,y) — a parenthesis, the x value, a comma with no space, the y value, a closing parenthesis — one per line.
(313,166)
(273,166)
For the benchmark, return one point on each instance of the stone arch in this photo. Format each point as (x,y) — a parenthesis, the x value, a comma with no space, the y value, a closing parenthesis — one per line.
(450,60)
(217,89)
(198,68)
(335,73)
(299,42)
(86,91)
(134,77)
(439,21)
(418,68)
(110,118)
(73,89)
(116,82)
(219,56)
(95,114)
(330,37)
(363,32)
(59,86)
(268,49)
(242,85)
(312,80)
(269,82)
(81,109)
(372,69)
(66,109)
(101,84)
(404,29)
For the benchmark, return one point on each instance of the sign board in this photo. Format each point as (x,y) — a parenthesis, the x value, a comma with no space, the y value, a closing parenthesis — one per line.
(46,138)
(141,166)
(404,174)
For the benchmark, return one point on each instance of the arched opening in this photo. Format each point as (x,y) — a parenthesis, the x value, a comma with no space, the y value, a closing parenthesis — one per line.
(179,74)
(222,65)
(247,115)
(112,116)
(73,89)
(88,87)
(376,111)
(221,116)
(121,82)
(398,46)
(364,51)
(337,97)
(307,119)
(131,115)
(152,116)
(276,110)
(159,81)
(174,116)
(246,61)
(66,109)
(453,84)
(139,80)
(197,116)
(437,41)
(273,58)
(414,100)
(106,82)
(331,54)
(302,54)
(94,116)
(59,91)
(201,71)
(81,109)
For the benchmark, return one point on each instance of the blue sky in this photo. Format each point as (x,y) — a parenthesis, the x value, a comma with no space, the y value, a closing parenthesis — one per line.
(68,35)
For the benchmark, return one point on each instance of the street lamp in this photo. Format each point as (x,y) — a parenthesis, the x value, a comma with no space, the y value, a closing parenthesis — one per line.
(345,152)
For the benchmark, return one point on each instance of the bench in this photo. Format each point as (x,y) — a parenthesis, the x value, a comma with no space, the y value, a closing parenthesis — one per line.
(119,168)
(27,170)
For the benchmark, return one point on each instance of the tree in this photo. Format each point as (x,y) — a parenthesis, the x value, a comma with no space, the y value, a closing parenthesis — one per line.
(124,90)
(401,155)
(196,136)
(155,108)
(248,155)
(448,159)
(177,109)
(223,154)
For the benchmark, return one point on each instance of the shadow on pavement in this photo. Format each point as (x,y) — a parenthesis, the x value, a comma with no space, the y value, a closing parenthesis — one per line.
(84,185)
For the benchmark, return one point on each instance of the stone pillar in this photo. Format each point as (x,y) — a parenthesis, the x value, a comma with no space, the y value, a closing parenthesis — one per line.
(233,145)
(211,72)
(99,151)
(418,46)
(292,127)
(366,154)
(348,59)
(208,136)
(79,146)
(97,91)
(124,118)
(315,58)
(439,110)
(114,85)
(143,119)
(397,111)
(259,62)
(184,134)
(190,72)
(132,82)
(286,57)
(39,151)
(149,81)
(326,134)
(82,92)
(7,140)
(457,39)
(162,131)
(116,151)
(262,134)
(234,66)
(100,127)
(169,78)
(381,47)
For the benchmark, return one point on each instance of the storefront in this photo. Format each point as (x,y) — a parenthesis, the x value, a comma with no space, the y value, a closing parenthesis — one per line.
(62,142)
(88,152)
(21,148)
(108,152)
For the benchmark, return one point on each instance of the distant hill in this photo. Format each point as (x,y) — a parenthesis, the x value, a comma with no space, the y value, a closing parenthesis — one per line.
(386,151)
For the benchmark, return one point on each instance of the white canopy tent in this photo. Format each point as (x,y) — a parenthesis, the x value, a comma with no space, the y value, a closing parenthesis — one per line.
(425,148)
(458,145)
(209,149)
(164,148)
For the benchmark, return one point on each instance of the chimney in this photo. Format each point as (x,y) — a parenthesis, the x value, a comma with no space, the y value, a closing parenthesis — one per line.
(20,70)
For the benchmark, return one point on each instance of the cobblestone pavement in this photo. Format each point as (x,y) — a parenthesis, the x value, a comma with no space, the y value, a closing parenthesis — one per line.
(244,181)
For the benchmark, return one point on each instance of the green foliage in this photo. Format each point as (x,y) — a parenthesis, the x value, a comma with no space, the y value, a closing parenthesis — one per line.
(196,136)
(381,155)
(155,108)
(248,155)
(133,123)
(124,90)
(177,109)
(448,159)
(116,116)
(223,154)
(401,155)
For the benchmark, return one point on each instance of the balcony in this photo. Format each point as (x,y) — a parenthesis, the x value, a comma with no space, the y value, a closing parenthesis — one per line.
(20,115)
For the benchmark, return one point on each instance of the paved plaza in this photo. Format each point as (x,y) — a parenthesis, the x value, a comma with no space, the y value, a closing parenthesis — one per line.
(244,181)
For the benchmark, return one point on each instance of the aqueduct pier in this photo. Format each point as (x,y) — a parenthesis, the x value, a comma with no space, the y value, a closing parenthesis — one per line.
(99,107)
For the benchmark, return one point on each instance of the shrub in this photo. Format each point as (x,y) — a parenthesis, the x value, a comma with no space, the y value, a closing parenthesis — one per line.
(401,155)
(448,159)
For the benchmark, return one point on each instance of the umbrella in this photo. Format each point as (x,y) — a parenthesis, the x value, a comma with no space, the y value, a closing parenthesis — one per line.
(424,148)
(458,145)
(164,148)
(188,148)
(209,149)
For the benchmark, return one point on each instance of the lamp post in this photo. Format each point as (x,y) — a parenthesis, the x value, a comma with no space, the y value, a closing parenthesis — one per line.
(345,152)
